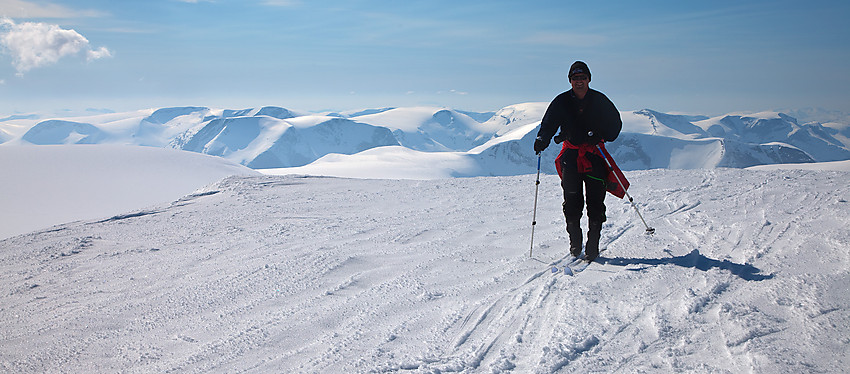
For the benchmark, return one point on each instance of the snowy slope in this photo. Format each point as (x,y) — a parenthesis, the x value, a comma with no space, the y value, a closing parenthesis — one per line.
(395,162)
(511,117)
(833,165)
(814,139)
(263,142)
(432,129)
(42,186)
(748,272)
(505,155)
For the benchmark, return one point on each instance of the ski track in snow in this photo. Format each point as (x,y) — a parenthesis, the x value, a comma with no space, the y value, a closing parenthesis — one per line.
(747,273)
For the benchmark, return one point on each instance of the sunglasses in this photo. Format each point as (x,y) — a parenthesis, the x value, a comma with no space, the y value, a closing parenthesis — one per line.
(579,77)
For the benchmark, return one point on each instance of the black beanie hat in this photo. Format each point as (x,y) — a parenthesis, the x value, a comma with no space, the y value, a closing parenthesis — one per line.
(579,67)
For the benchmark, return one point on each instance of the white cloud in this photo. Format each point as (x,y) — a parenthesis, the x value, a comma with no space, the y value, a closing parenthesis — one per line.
(281,2)
(101,52)
(29,9)
(566,39)
(453,92)
(33,44)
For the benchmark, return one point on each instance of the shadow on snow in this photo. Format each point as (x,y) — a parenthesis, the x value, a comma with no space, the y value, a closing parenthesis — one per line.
(693,260)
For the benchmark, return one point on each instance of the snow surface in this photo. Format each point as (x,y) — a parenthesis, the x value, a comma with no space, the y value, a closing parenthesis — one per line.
(747,272)
(43,186)
(834,165)
(393,162)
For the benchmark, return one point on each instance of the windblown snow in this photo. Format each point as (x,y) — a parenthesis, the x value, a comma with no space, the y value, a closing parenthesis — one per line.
(48,185)
(212,267)
(748,272)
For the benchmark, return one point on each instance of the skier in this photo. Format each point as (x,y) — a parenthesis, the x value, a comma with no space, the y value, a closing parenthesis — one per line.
(586,118)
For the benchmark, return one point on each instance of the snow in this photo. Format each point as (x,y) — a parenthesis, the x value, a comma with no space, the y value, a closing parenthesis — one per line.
(694,156)
(393,162)
(432,129)
(834,165)
(412,119)
(747,271)
(48,185)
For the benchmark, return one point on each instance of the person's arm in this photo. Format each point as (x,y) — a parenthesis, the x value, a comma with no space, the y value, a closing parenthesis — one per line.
(550,124)
(610,123)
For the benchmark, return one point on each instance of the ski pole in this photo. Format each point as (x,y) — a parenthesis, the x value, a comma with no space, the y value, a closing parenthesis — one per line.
(534,217)
(649,230)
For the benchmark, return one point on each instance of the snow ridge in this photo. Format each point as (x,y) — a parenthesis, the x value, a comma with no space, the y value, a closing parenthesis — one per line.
(491,144)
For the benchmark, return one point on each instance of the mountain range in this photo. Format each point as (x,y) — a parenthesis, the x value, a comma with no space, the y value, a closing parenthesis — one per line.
(464,143)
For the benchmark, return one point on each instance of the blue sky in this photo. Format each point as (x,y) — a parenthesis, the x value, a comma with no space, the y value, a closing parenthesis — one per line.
(672,56)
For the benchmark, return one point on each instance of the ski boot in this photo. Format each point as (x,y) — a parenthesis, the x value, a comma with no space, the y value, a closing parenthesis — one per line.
(594,233)
(574,230)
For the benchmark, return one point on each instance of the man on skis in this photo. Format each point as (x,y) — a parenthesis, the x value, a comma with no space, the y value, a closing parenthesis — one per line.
(587,119)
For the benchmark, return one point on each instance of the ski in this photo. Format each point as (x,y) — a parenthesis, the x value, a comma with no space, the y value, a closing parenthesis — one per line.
(582,263)
(571,261)
(579,267)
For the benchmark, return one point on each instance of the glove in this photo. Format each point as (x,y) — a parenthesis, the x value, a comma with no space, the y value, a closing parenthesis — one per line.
(540,144)
(560,138)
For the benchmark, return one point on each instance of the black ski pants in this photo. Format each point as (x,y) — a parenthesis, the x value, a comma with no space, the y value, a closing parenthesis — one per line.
(581,187)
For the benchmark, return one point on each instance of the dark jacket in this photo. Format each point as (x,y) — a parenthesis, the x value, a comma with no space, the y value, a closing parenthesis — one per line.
(576,117)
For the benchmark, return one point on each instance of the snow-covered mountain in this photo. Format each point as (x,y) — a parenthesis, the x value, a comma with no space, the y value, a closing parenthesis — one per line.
(747,271)
(649,140)
(432,129)
(496,143)
(656,140)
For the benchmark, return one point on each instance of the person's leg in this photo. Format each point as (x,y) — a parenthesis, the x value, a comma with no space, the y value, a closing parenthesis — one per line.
(573,207)
(595,191)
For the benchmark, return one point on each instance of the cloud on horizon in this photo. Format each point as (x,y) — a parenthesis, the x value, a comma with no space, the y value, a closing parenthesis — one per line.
(34,44)
(29,9)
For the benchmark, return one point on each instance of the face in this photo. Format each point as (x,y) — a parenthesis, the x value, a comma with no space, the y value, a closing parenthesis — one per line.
(579,81)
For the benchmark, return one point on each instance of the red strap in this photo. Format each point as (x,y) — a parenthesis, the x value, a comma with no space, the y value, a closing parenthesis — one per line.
(583,164)
(613,185)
